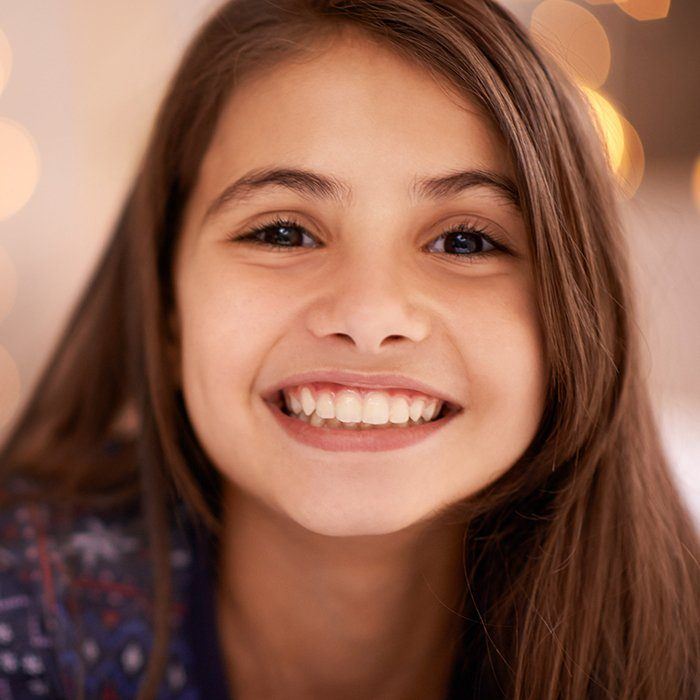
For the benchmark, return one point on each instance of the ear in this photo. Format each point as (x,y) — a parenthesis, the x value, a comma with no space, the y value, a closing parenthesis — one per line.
(172,347)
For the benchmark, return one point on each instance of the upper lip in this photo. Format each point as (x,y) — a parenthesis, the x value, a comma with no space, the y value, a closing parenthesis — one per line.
(368,381)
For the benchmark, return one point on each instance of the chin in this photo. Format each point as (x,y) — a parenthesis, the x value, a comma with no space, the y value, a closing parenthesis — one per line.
(352,518)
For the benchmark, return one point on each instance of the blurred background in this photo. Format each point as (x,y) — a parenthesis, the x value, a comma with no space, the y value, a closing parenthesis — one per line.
(80,81)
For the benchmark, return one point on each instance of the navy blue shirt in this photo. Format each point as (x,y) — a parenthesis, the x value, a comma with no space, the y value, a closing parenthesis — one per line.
(77,606)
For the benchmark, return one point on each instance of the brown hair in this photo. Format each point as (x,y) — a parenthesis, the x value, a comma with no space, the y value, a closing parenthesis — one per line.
(581,561)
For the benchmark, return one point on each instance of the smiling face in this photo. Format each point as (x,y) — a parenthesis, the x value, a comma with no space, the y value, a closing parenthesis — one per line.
(366,283)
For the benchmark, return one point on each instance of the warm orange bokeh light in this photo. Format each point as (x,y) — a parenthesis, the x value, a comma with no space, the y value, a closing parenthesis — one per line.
(631,169)
(5,60)
(639,9)
(575,38)
(622,142)
(645,9)
(19,167)
(695,182)
(8,283)
(610,126)
(10,385)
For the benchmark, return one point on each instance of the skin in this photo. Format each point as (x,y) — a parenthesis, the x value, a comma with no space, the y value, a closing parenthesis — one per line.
(338,578)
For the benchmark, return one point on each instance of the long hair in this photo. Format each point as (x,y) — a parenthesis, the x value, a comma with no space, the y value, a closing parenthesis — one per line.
(580,564)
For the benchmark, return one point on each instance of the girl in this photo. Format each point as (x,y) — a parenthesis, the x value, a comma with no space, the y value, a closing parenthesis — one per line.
(352,406)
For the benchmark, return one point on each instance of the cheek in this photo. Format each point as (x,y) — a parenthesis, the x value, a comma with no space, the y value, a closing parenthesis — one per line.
(229,322)
(503,354)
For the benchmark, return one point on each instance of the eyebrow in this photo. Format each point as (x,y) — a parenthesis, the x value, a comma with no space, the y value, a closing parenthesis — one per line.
(316,185)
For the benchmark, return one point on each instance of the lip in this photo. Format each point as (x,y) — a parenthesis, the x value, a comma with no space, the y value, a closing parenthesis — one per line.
(366,381)
(344,440)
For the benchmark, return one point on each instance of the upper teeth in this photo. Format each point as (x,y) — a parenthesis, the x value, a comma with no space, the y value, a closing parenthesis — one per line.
(350,406)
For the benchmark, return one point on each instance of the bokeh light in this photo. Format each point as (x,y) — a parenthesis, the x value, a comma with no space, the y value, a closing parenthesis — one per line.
(695,182)
(631,168)
(639,9)
(8,283)
(610,125)
(10,386)
(575,38)
(645,9)
(19,167)
(5,60)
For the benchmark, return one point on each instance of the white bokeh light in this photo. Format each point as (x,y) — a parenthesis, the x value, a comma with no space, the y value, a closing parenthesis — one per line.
(5,60)
(19,167)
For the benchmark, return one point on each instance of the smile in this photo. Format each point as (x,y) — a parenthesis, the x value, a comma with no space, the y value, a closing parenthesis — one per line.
(341,418)
(355,408)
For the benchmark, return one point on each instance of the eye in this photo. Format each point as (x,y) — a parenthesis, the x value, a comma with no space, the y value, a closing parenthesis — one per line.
(279,233)
(463,241)
(468,243)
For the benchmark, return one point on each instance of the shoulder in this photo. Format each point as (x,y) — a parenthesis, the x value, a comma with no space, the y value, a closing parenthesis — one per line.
(76,599)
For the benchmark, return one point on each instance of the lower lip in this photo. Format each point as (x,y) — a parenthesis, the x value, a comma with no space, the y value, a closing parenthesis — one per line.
(345,440)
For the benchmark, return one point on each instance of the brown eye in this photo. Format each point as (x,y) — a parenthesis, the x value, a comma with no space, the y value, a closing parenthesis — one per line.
(280,233)
(461,242)
(467,242)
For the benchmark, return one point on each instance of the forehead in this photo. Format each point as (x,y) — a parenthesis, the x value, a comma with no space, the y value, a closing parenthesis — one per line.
(357,110)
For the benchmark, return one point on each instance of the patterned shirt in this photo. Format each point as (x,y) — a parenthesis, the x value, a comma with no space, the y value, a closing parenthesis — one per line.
(76,606)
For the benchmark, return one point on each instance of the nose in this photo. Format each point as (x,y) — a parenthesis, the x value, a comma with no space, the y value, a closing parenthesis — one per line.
(369,304)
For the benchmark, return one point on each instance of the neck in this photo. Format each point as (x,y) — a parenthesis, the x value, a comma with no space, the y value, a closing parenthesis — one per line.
(304,615)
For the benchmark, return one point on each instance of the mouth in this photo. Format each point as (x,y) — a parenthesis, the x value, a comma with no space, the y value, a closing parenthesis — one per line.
(333,436)
(447,410)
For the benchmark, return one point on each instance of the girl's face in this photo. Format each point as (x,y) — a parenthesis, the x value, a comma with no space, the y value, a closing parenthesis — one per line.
(367,284)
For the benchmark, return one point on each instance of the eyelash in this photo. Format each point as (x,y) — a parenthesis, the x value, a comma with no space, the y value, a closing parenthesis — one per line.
(464,228)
